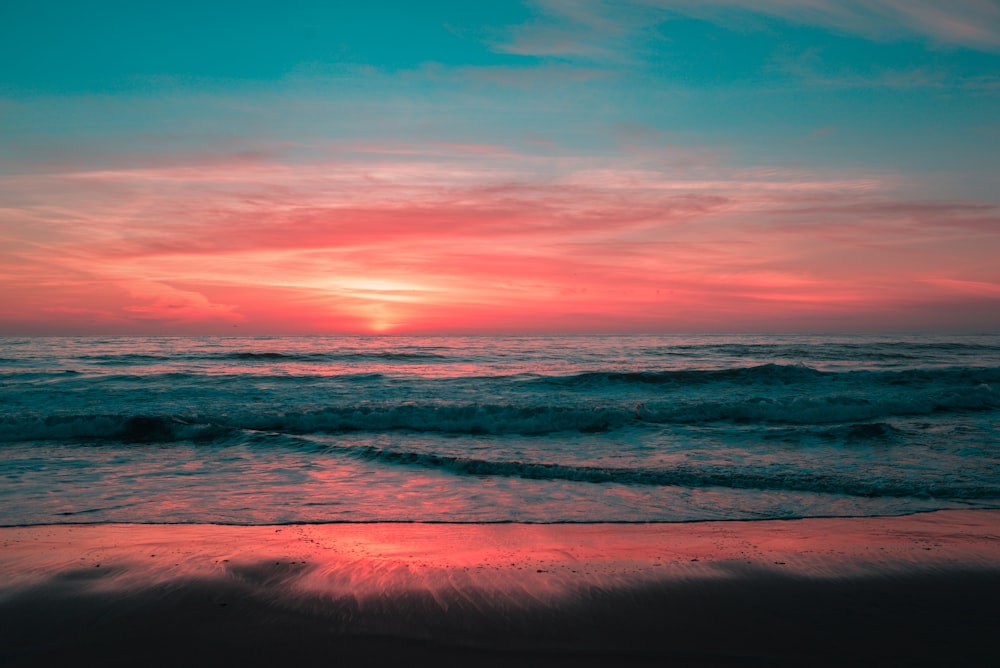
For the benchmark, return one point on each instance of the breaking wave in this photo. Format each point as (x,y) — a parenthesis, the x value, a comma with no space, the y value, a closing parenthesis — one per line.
(681,476)
(589,415)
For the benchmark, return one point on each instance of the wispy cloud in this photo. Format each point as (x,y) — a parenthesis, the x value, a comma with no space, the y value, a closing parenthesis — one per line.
(973,24)
(389,240)
(602,30)
(809,67)
(979,288)
(596,30)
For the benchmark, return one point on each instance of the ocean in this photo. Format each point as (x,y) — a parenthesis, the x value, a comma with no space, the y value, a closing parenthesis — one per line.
(272,430)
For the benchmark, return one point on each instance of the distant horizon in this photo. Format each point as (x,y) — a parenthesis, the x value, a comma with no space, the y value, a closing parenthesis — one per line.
(533,167)
(402,335)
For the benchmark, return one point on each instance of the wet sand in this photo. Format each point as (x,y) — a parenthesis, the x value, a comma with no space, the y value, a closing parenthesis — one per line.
(917,590)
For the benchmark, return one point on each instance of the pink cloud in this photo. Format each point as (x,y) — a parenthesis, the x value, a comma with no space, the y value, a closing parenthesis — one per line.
(977,288)
(479,238)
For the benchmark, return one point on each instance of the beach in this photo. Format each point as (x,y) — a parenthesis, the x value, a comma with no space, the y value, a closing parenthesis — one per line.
(709,500)
(913,590)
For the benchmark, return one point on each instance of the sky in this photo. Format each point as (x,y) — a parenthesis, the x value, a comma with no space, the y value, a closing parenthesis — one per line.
(537,167)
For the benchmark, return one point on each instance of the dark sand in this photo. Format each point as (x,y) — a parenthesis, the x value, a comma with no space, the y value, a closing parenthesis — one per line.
(916,590)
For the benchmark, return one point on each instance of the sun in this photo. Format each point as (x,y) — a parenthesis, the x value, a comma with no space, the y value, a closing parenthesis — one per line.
(382,324)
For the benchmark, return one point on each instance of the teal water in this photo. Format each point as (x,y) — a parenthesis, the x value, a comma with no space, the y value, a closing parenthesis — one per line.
(495,429)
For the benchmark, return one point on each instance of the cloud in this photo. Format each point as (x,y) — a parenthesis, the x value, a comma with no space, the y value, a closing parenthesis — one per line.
(808,67)
(973,24)
(602,30)
(163,303)
(391,239)
(597,30)
(977,288)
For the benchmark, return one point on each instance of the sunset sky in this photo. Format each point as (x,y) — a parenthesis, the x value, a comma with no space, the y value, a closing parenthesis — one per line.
(551,166)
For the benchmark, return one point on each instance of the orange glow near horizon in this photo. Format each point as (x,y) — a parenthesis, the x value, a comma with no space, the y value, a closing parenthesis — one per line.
(480,241)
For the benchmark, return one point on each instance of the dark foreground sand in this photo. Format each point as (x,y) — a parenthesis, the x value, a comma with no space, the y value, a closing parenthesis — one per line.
(917,590)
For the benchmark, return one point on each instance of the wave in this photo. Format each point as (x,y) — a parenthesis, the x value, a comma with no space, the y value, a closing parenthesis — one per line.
(764,374)
(270,356)
(779,374)
(820,410)
(384,355)
(851,433)
(529,418)
(540,419)
(474,419)
(123,428)
(588,402)
(858,349)
(690,477)
(127,359)
(149,430)
(466,419)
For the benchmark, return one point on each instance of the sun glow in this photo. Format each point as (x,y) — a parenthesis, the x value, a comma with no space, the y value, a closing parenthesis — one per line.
(499,197)
(380,289)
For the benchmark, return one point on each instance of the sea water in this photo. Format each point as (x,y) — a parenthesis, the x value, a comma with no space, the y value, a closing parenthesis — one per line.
(495,429)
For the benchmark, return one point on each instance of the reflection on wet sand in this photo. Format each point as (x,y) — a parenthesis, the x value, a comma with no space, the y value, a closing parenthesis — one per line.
(876,590)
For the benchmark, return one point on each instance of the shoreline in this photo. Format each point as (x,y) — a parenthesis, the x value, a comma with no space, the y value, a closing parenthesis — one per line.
(348,522)
(919,588)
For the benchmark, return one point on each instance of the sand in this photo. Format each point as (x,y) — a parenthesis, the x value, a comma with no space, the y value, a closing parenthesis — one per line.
(916,590)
